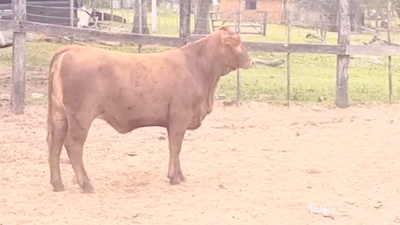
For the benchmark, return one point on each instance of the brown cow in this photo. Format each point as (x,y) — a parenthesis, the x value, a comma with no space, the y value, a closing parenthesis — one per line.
(172,89)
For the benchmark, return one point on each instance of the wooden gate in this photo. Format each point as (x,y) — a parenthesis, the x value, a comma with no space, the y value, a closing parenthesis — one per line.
(239,22)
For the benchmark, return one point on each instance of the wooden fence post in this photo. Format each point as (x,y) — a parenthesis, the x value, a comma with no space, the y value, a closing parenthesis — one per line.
(236,21)
(264,23)
(288,69)
(238,73)
(343,61)
(154,20)
(184,18)
(71,12)
(140,22)
(71,18)
(389,11)
(19,60)
(112,12)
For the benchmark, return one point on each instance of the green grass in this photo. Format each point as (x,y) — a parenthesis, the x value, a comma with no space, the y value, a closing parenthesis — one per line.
(313,76)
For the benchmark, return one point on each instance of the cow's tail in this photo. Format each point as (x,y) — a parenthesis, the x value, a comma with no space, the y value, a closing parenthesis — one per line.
(55,66)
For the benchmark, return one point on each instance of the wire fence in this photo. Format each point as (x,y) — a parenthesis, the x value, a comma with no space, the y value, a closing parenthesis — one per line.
(308,77)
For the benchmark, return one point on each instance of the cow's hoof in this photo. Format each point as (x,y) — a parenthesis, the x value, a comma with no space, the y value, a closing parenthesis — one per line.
(87,188)
(58,187)
(182,178)
(174,181)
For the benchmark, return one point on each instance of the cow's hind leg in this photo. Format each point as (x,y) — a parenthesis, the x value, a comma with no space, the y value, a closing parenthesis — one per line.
(175,138)
(74,143)
(56,135)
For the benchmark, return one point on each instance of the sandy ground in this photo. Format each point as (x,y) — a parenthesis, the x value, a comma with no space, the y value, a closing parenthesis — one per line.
(253,164)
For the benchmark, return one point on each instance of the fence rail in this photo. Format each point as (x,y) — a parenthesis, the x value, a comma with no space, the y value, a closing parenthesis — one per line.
(89,34)
(146,39)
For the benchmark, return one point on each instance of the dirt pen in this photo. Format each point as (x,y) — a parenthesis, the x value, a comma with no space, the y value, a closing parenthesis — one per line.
(251,164)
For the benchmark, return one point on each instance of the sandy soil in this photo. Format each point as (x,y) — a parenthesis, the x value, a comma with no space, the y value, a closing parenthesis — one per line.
(253,164)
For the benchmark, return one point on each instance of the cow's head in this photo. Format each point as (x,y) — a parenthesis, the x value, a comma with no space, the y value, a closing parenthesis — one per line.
(235,53)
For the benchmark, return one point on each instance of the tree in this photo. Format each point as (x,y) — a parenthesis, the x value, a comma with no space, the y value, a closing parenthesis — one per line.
(136,19)
(149,4)
(356,6)
(396,7)
(330,9)
(202,23)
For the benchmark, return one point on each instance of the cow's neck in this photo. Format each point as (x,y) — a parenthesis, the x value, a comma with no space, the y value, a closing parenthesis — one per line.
(207,63)
(206,59)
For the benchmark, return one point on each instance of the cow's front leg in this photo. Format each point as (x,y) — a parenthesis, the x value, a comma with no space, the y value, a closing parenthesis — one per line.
(175,138)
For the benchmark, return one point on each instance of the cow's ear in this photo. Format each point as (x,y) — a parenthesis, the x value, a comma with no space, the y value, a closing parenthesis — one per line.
(231,40)
(225,28)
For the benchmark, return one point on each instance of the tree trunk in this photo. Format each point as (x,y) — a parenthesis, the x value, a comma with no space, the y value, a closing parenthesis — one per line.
(356,20)
(171,4)
(202,25)
(136,19)
(397,12)
(95,4)
(149,4)
(283,17)
(193,7)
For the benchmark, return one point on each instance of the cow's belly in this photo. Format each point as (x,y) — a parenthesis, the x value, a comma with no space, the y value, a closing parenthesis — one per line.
(124,121)
(126,126)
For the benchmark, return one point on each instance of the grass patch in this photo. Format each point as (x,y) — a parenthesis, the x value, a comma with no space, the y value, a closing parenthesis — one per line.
(313,81)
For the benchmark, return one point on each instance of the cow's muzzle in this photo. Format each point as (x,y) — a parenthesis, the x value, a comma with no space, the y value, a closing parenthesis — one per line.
(249,64)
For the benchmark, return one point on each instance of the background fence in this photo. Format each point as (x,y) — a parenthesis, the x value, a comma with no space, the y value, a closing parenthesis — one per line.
(313,38)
